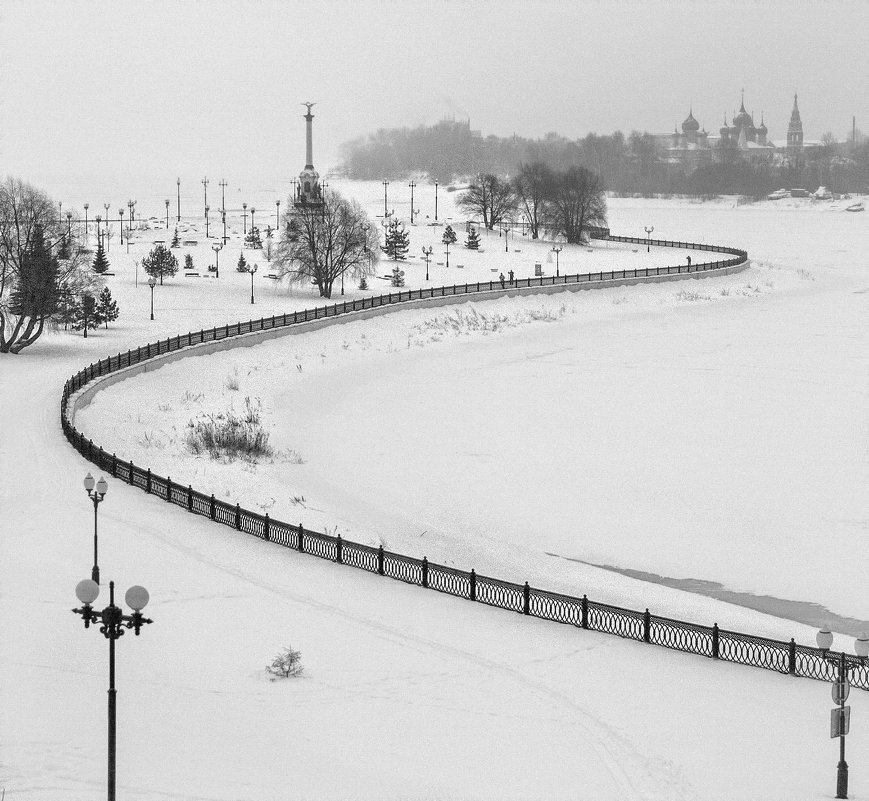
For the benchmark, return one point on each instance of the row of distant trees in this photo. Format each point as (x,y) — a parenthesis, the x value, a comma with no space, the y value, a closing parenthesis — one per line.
(563,203)
(629,164)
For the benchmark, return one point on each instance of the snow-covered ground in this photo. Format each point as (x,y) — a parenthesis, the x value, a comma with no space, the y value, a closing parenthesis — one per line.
(750,383)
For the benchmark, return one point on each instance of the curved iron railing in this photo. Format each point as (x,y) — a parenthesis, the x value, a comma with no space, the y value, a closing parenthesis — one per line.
(711,642)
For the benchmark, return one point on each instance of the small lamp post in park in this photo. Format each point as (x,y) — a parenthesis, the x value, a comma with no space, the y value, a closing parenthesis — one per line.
(112,622)
(96,491)
(244,217)
(252,212)
(217,249)
(841,716)
(86,207)
(167,213)
(121,216)
(207,209)
(251,269)
(556,251)
(277,215)
(152,282)
(426,252)
(648,231)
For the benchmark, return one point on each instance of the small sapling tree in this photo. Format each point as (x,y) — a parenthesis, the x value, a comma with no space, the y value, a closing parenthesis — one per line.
(242,264)
(449,237)
(287,664)
(473,240)
(397,276)
(188,261)
(175,241)
(160,262)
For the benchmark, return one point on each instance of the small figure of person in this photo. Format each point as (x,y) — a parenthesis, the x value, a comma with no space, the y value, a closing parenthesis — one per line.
(510,274)
(689,261)
(501,279)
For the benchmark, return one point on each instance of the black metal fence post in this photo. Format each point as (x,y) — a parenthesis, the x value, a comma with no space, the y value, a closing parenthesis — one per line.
(526,599)
(212,508)
(425,571)
(715,644)
(267,528)
(338,548)
(189,497)
(168,489)
(473,593)
(148,481)
(647,626)
(238,517)
(301,538)
(584,612)
(792,657)
(380,559)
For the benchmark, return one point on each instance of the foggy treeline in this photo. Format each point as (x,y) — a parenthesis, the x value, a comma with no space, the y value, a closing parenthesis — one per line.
(627,164)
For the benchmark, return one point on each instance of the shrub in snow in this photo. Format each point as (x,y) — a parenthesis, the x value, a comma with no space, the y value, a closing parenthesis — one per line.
(229,435)
(107,308)
(188,261)
(231,381)
(287,664)
(175,241)
(397,276)
(363,281)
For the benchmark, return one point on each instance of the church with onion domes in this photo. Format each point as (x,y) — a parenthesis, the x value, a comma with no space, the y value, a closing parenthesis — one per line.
(694,146)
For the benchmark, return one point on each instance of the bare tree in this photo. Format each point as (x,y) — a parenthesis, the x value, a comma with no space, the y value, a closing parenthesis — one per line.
(34,280)
(577,202)
(490,198)
(532,186)
(328,240)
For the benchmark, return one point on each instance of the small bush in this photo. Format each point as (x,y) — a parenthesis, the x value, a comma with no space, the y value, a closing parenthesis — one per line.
(231,381)
(230,436)
(286,665)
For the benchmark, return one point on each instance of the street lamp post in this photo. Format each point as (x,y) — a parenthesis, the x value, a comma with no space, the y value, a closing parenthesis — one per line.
(251,269)
(448,254)
(277,215)
(86,207)
(96,492)
(436,201)
(222,184)
(648,235)
(152,283)
(412,184)
(252,212)
(427,255)
(106,207)
(385,203)
(121,216)
(207,209)
(130,205)
(244,217)
(217,249)
(178,208)
(69,225)
(556,251)
(167,214)
(99,233)
(205,187)
(113,622)
(505,227)
(840,718)
(223,220)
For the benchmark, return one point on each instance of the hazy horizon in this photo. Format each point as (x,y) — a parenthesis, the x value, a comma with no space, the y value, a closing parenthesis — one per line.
(92,93)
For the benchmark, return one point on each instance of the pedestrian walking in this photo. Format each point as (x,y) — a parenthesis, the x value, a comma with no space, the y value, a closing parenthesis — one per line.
(501,279)
(689,261)
(511,277)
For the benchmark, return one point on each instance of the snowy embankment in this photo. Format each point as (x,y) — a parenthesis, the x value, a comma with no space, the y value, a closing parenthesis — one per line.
(411,694)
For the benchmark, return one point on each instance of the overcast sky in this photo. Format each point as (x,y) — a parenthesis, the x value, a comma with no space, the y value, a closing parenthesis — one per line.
(93,89)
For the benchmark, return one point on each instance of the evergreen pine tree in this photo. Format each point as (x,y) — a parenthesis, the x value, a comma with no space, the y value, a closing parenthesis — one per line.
(242,264)
(269,235)
(83,313)
(397,241)
(175,241)
(101,263)
(473,240)
(397,276)
(106,310)
(253,238)
(449,236)
(188,261)
(160,262)
(35,293)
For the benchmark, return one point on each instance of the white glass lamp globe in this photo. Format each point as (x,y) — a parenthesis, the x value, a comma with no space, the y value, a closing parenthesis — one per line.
(824,639)
(137,598)
(87,591)
(861,645)
(102,486)
(89,482)
(152,282)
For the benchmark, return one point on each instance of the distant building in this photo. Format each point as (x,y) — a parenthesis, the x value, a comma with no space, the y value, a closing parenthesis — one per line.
(742,139)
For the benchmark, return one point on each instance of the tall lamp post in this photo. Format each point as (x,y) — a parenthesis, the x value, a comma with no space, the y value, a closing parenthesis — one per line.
(106,206)
(205,187)
(556,251)
(385,203)
(252,212)
(69,225)
(217,249)
(648,236)
(207,209)
(113,622)
(223,220)
(244,217)
(412,184)
(427,255)
(505,227)
(86,207)
(96,492)
(222,184)
(251,269)
(167,214)
(121,216)
(130,205)
(178,207)
(277,215)
(436,201)
(841,716)
(152,282)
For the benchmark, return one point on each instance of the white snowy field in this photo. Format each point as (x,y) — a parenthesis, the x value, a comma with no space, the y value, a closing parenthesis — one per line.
(409,694)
